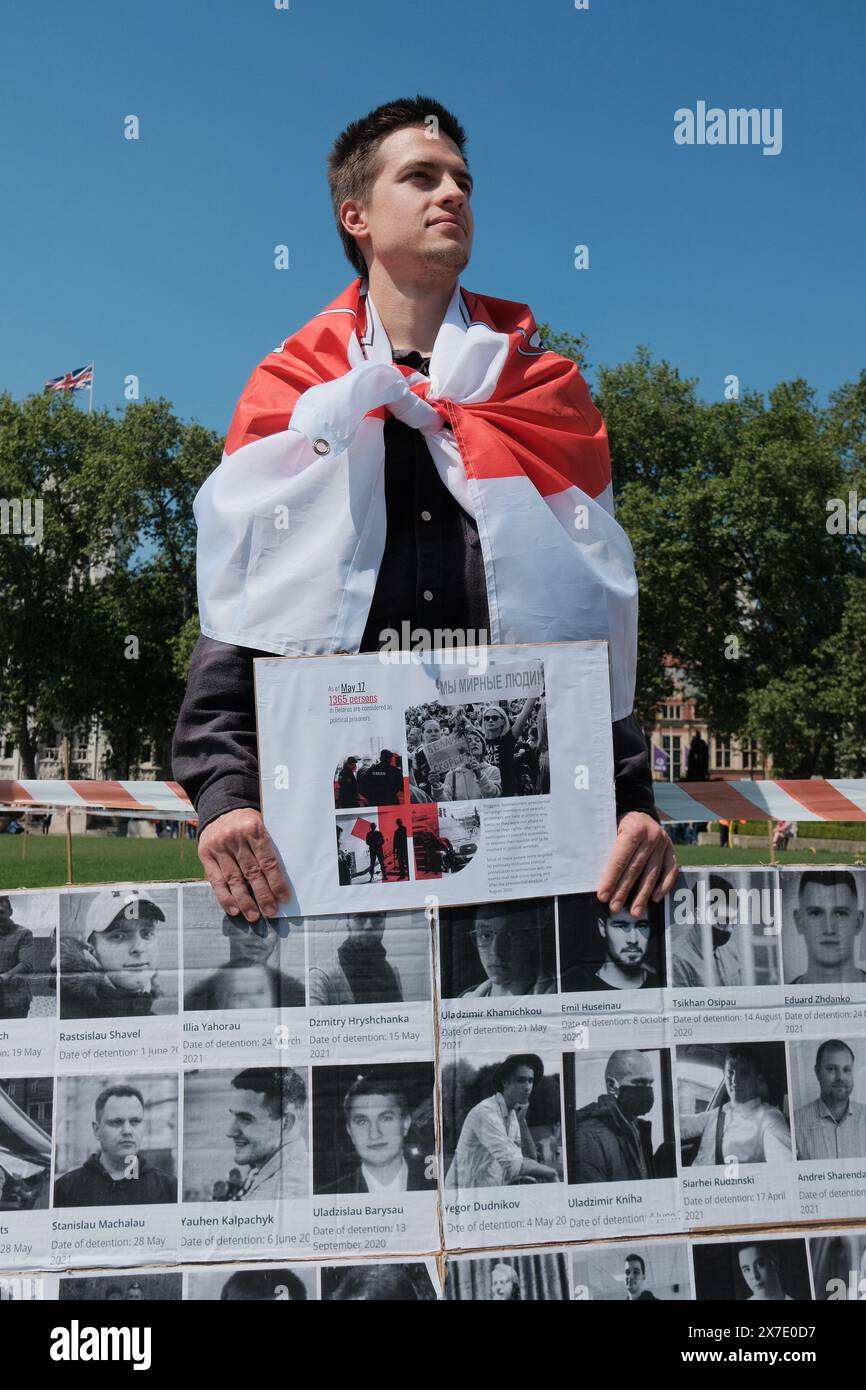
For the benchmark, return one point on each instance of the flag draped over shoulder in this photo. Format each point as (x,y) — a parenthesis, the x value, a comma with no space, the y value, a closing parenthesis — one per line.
(291,525)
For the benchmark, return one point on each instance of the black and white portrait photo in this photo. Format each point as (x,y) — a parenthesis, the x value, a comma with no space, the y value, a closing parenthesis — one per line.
(641,1271)
(230,963)
(245,1135)
(116,1140)
(508,1278)
(117,953)
(822,926)
(374,1129)
(254,1284)
(497,949)
(26,1121)
(839,1266)
(604,950)
(752,1271)
(829,1084)
(369,958)
(619,1115)
(502,1121)
(724,929)
(127,1286)
(733,1103)
(28,928)
(379,1281)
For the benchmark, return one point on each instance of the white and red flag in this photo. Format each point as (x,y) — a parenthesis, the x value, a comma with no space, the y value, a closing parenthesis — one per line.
(291,524)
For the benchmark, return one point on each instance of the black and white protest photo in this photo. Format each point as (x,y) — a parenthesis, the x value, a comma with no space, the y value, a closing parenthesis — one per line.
(498,949)
(255,1283)
(600,949)
(26,1120)
(368,958)
(116,1140)
(829,1098)
(724,929)
(230,963)
(117,953)
(822,927)
(474,752)
(28,927)
(839,1266)
(619,1115)
(733,1101)
(370,773)
(509,1277)
(127,1286)
(502,1121)
(245,1135)
(374,1128)
(378,1281)
(747,1270)
(632,1271)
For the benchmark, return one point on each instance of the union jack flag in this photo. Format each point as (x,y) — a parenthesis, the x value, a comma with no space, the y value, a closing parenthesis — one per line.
(79,380)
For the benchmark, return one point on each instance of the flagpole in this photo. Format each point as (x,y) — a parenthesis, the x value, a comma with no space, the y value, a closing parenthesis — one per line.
(90,397)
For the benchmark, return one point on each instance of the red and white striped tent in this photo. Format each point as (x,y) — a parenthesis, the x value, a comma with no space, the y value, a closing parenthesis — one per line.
(147,800)
(841,799)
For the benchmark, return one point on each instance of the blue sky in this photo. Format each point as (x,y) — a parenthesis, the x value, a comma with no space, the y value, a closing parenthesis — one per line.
(155,256)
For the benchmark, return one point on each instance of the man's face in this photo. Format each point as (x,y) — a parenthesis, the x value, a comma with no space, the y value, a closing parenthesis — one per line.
(254,1131)
(634,1278)
(128,953)
(247,945)
(741,1078)
(501,1281)
(634,1087)
(120,1128)
(829,921)
(759,1270)
(625,937)
(835,1073)
(368,928)
(247,988)
(134,1294)
(518,1088)
(377,1126)
(420,181)
(507,946)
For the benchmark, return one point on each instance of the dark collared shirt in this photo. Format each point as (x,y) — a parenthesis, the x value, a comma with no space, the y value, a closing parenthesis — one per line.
(431,576)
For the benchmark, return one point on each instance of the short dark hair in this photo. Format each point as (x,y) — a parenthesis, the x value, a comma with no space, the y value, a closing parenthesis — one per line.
(747,1052)
(391,1283)
(839,878)
(280,1086)
(638,1259)
(353,165)
(262,1284)
(519,1059)
(376,1084)
(121,1090)
(833,1045)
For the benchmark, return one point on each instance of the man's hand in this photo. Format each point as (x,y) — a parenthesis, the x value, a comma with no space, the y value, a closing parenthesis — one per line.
(241,864)
(643,856)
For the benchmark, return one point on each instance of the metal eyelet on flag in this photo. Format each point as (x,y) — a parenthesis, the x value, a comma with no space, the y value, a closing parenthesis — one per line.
(321,446)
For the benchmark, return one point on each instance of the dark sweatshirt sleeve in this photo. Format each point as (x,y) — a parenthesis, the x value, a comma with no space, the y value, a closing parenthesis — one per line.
(633,783)
(215,750)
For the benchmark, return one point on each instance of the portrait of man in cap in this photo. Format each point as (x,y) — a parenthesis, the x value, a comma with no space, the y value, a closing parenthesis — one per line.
(109,955)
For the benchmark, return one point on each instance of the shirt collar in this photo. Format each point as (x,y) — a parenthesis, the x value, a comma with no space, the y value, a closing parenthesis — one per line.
(398,1182)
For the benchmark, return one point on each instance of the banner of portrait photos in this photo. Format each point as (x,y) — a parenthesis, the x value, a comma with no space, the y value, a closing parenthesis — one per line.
(180,1087)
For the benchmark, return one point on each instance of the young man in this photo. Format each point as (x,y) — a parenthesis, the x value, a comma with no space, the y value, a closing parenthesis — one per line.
(378,1119)
(447,504)
(833,1125)
(829,918)
(119,1172)
(490,1150)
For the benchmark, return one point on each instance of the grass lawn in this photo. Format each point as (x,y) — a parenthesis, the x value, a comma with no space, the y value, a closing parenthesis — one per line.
(102,860)
(95,859)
